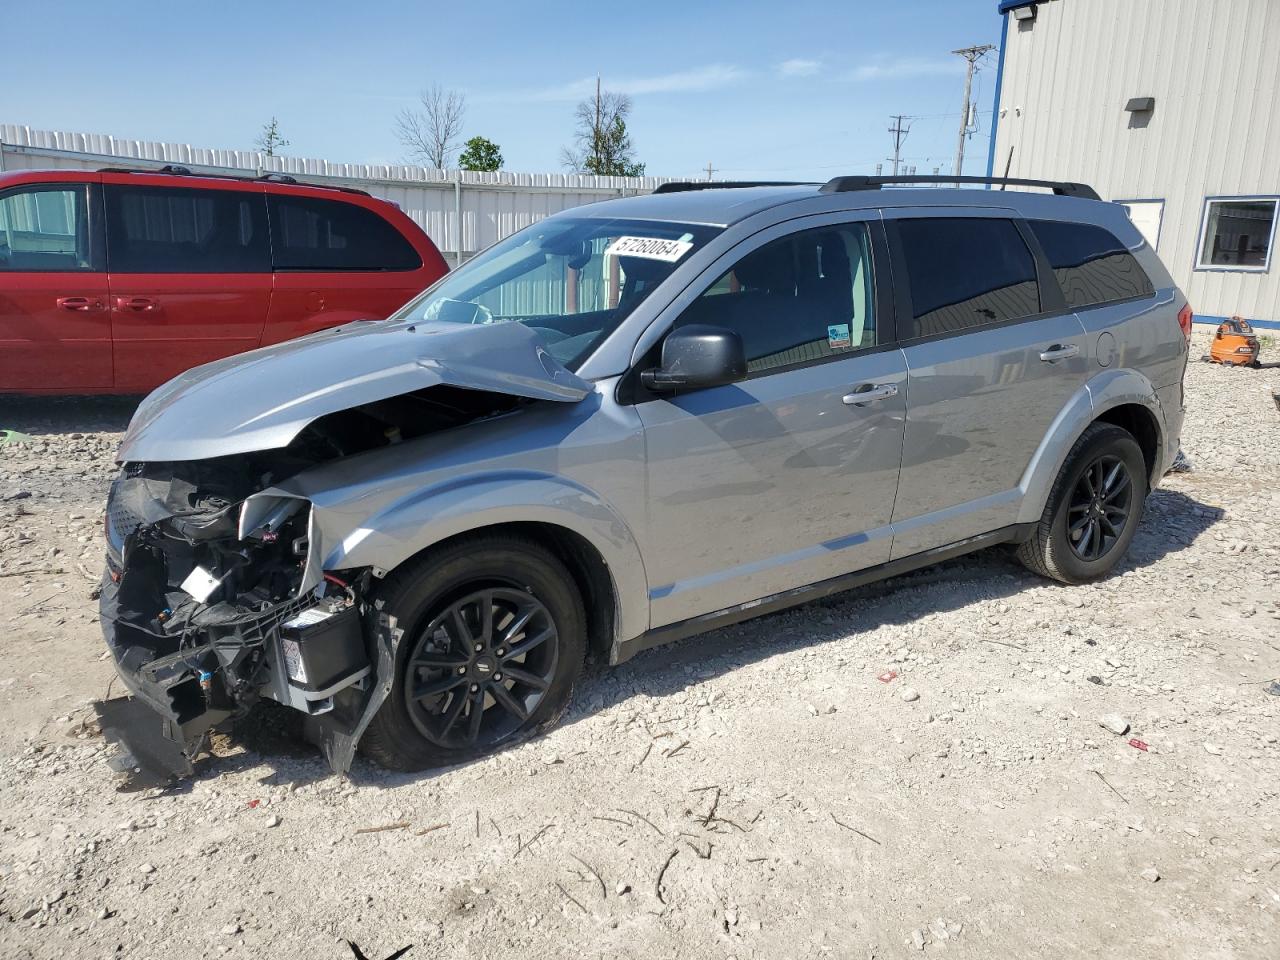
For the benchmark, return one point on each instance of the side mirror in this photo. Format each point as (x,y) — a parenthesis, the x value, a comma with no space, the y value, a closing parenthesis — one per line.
(698,355)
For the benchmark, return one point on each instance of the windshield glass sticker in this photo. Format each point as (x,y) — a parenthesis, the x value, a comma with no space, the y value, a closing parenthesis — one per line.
(838,336)
(649,248)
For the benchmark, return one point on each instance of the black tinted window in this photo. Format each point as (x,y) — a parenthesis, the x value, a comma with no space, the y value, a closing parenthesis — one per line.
(312,234)
(967,273)
(800,298)
(164,230)
(1091,265)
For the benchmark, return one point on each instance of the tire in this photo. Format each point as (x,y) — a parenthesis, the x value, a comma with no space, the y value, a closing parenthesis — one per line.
(449,650)
(1060,548)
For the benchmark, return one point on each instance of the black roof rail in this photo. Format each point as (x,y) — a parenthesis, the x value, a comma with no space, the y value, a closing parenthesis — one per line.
(175,170)
(1060,187)
(683,186)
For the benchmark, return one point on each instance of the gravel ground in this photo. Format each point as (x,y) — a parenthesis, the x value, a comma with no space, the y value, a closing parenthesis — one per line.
(757,792)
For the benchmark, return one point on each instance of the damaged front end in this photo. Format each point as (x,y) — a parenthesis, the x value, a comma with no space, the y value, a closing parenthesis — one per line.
(211,601)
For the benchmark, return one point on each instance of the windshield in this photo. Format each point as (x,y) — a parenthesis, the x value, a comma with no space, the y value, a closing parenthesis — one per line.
(572,280)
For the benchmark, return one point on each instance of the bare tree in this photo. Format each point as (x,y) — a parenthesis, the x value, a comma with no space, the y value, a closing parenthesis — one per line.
(601,143)
(431,133)
(271,140)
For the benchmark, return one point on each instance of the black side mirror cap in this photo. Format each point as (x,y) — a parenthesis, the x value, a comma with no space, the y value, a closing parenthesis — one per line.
(697,355)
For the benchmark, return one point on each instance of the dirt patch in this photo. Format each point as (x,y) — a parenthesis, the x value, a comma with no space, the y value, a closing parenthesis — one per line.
(756,792)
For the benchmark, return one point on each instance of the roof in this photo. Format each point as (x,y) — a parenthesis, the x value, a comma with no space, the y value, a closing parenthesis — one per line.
(723,207)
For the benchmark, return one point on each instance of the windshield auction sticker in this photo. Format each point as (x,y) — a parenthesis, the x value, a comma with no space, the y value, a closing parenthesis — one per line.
(649,248)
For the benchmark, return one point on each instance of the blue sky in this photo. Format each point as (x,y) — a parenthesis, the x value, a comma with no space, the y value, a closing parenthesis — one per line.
(796,89)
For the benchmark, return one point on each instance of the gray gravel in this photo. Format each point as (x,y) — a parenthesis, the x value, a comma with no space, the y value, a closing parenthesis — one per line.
(757,792)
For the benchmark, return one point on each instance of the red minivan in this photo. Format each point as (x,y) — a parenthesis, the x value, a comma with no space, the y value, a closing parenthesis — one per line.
(116,280)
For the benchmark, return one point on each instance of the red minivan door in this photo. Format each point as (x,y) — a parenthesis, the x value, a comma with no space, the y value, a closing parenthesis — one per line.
(340,259)
(190,274)
(55,332)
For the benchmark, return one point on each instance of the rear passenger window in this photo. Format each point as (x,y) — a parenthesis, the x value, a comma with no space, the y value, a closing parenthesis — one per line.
(313,234)
(170,230)
(801,298)
(966,273)
(1091,265)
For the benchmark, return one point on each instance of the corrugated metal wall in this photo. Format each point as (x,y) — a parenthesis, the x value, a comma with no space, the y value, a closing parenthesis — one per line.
(492,205)
(1213,67)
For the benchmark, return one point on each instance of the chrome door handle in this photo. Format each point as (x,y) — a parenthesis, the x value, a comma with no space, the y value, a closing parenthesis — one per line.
(869,392)
(1059,351)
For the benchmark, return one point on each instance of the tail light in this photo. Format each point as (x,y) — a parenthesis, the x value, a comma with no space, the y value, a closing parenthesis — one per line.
(1184,320)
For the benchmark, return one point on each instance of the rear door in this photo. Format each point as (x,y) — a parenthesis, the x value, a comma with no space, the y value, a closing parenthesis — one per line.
(190,272)
(335,261)
(55,334)
(993,355)
(784,478)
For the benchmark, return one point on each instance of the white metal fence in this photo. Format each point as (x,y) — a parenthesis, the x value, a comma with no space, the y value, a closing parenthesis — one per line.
(460,210)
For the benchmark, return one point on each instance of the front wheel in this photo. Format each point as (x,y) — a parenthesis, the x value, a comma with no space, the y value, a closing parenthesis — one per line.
(1093,510)
(494,639)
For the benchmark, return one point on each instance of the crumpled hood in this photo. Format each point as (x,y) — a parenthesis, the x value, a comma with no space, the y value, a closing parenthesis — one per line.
(261,400)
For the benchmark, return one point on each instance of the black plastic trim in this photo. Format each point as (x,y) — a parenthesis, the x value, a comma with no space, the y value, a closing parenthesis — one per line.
(1014,533)
(685,186)
(852,184)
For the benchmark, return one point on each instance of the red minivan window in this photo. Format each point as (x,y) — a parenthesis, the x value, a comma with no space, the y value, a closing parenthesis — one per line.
(313,234)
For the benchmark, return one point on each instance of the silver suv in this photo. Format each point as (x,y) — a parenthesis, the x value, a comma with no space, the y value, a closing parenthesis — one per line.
(629,423)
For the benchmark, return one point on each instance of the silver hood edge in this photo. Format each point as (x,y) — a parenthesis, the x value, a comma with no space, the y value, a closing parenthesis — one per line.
(261,400)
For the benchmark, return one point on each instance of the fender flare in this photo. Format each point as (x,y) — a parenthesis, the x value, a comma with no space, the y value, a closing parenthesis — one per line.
(1105,391)
(405,527)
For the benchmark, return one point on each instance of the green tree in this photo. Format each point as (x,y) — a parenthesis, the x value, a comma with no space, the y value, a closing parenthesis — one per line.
(271,140)
(480,153)
(602,144)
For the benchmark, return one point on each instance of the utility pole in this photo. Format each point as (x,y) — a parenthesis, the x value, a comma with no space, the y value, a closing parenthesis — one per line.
(899,136)
(710,169)
(971,54)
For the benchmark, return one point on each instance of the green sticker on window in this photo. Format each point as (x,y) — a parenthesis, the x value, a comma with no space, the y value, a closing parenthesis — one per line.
(838,336)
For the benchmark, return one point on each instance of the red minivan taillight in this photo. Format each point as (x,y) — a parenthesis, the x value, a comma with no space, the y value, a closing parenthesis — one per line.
(1184,320)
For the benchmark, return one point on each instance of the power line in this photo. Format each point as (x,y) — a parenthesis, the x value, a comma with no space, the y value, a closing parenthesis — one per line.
(899,135)
(972,55)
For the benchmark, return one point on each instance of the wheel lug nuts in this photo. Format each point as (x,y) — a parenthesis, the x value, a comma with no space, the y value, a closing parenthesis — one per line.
(462,670)
(479,647)
(501,652)
(497,676)
(475,688)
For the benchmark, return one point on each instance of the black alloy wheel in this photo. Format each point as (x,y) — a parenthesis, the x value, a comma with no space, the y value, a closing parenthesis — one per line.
(1098,510)
(481,668)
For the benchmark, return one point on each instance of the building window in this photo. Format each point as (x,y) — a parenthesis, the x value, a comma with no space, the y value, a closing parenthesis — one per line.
(1237,234)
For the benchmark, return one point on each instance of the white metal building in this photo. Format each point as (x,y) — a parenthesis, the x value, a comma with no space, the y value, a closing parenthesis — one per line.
(1171,107)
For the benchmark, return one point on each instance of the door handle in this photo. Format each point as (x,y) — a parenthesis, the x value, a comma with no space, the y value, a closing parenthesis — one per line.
(80,304)
(136,304)
(869,392)
(1059,351)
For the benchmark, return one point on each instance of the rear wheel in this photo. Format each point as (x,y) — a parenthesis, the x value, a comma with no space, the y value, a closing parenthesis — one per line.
(494,639)
(1093,510)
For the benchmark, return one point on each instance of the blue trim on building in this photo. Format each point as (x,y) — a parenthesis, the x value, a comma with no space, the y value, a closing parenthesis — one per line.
(995,110)
(1007,5)
(1258,324)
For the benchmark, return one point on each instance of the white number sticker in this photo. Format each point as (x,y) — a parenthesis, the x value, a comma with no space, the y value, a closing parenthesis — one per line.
(649,248)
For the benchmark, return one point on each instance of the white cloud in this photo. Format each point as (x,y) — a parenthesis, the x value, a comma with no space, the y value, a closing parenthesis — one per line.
(899,67)
(698,80)
(798,68)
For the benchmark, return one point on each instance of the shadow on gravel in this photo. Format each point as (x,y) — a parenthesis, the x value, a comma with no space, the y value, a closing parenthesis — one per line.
(1172,521)
(45,416)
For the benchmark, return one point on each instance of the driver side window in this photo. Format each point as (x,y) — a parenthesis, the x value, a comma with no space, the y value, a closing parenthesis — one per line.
(800,298)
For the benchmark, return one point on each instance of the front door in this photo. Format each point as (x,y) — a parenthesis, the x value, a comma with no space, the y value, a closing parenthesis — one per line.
(55,332)
(784,478)
(993,355)
(190,277)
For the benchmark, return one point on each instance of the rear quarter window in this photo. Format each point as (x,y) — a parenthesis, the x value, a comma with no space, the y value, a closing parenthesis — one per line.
(309,233)
(1092,266)
(966,272)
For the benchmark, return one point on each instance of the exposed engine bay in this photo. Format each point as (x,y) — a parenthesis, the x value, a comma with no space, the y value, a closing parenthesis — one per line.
(214,598)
